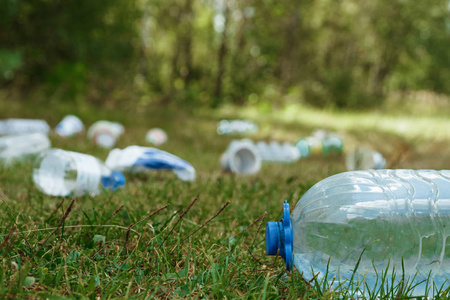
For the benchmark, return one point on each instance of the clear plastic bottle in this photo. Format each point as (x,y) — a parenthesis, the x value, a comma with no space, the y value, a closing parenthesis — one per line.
(69,126)
(105,133)
(156,136)
(141,159)
(391,215)
(62,173)
(16,146)
(21,126)
(276,152)
(236,127)
(364,159)
(241,157)
(315,145)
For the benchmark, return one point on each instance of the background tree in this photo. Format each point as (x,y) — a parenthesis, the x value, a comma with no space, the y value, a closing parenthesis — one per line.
(346,53)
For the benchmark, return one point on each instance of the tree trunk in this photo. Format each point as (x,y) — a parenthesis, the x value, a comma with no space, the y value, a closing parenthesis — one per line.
(221,61)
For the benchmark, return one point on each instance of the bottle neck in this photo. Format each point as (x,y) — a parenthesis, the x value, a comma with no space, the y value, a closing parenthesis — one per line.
(279,237)
(114,181)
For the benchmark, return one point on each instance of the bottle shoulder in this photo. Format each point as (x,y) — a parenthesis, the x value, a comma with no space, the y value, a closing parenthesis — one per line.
(374,193)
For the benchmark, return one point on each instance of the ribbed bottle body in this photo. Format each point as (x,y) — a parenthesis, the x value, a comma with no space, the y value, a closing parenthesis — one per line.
(58,172)
(391,215)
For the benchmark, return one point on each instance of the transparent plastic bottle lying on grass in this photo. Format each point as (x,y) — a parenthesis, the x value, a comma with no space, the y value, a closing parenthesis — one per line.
(64,173)
(21,126)
(364,159)
(276,152)
(375,220)
(236,127)
(69,126)
(156,136)
(137,159)
(105,133)
(318,145)
(13,147)
(241,157)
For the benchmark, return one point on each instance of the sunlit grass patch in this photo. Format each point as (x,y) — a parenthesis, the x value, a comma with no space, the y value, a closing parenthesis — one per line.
(430,127)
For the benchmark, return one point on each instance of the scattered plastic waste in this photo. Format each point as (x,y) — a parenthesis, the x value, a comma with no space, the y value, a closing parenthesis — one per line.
(69,126)
(13,147)
(364,159)
(322,133)
(236,126)
(377,218)
(241,157)
(21,126)
(105,133)
(139,159)
(62,173)
(156,136)
(315,145)
(276,152)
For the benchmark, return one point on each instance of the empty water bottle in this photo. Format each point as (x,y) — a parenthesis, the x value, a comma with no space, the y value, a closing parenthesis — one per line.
(364,159)
(314,145)
(241,157)
(63,173)
(236,126)
(377,217)
(156,136)
(20,126)
(276,152)
(105,133)
(69,126)
(17,146)
(139,159)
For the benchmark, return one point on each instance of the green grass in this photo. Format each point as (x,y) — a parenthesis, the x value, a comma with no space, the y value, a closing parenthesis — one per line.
(90,257)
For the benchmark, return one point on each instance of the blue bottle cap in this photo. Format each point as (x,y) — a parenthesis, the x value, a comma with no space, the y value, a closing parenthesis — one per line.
(114,181)
(272,238)
(118,179)
(279,237)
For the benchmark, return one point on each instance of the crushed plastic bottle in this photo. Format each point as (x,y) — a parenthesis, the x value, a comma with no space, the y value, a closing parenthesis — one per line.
(13,147)
(378,216)
(276,152)
(236,127)
(21,126)
(364,159)
(315,145)
(241,157)
(139,159)
(69,126)
(105,133)
(58,172)
(156,136)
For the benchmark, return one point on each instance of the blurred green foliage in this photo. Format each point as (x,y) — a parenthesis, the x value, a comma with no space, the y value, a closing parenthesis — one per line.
(345,54)
(62,43)
(10,61)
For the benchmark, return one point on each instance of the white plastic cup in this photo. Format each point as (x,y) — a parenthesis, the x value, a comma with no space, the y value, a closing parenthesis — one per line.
(241,157)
